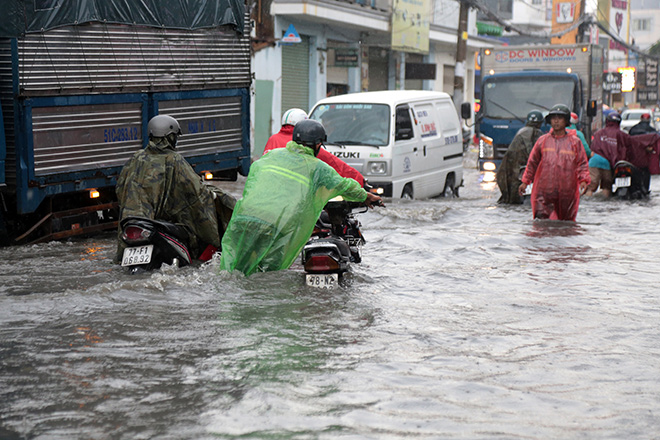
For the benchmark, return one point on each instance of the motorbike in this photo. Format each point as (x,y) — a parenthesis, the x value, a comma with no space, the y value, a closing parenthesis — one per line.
(335,243)
(630,182)
(150,243)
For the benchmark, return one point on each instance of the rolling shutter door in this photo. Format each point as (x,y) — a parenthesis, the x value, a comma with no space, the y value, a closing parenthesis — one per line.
(295,75)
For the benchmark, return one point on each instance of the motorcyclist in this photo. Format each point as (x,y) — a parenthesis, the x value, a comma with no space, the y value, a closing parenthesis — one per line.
(508,175)
(279,140)
(284,194)
(609,145)
(558,168)
(158,183)
(643,126)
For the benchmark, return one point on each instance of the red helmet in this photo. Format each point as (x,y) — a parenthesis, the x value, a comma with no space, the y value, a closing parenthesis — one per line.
(646,116)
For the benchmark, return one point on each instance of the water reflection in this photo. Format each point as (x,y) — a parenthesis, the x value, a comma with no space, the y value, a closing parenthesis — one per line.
(554,228)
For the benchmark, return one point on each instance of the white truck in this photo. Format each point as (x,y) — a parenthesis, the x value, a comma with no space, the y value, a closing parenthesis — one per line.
(518,79)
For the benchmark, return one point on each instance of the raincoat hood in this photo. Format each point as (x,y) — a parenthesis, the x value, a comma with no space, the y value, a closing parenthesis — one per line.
(160,145)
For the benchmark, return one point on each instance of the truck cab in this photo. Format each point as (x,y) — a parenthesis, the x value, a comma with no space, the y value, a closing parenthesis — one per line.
(506,100)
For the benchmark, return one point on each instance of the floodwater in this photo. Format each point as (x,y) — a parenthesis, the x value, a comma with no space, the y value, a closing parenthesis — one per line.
(465,320)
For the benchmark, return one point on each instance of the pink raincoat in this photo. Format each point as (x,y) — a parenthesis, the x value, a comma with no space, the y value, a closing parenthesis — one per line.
(556,166)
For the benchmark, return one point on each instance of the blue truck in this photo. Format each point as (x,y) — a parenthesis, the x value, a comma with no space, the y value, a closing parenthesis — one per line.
(79,81)
(518,79)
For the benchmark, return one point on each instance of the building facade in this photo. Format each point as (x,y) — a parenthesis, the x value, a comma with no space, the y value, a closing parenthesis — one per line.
(305,50)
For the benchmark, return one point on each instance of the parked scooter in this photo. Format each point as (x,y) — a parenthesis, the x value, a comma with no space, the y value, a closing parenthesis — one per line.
(150,243)
(335,243)
(630,182)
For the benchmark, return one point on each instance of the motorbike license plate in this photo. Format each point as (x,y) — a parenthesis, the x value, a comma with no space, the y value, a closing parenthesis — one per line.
(137,255)
(325,280)
(622,182)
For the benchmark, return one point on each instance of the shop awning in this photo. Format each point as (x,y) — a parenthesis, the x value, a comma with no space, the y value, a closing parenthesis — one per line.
(489,29)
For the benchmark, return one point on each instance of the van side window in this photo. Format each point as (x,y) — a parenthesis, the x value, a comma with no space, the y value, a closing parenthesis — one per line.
(449,121)
(404,128)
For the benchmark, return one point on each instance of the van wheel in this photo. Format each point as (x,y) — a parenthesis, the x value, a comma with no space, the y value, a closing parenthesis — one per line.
(450,190)
(407,192)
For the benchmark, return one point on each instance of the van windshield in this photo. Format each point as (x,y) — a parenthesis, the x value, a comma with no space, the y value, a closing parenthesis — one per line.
(355,124)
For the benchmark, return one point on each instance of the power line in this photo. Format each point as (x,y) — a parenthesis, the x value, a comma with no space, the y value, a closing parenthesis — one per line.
(621,42)
(477,4)
(583,19)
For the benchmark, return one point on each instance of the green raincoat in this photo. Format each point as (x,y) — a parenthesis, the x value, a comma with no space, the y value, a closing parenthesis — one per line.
(158,183)
(283,197)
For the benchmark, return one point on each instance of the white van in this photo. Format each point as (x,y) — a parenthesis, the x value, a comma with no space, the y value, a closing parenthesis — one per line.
(406,143)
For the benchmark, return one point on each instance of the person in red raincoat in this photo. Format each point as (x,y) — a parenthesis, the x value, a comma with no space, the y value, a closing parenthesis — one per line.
(558,168)
(279,140)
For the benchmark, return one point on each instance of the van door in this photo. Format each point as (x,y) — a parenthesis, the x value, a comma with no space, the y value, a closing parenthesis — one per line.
(431,178)
(405,155)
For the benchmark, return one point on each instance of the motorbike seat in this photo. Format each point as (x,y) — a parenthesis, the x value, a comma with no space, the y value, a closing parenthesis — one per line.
(324,220)
(169,228)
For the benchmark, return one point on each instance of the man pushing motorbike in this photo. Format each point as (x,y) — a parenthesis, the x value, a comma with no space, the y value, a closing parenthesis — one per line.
(158,183)
(508,175)
(283,197)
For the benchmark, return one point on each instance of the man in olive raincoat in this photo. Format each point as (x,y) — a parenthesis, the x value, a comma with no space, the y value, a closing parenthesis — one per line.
(508,175)
(558,168)
(283,197)
(158,183)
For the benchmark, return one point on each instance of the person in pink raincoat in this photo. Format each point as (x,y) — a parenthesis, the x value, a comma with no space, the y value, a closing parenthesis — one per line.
(558,168)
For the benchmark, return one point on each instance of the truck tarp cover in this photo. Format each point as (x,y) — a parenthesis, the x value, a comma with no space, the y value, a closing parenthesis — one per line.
(25,16)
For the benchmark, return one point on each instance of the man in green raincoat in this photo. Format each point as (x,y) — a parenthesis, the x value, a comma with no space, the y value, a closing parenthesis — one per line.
(283,197)
(508,175)
(158,183)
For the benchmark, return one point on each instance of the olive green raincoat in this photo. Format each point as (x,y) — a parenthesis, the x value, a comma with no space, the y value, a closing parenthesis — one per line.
(508,175)
(158,183)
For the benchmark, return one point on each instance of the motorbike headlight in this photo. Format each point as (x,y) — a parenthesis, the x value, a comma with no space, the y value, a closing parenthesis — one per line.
(377,167)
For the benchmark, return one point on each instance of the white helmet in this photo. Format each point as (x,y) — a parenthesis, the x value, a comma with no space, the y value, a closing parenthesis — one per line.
(293,116)
(162,125)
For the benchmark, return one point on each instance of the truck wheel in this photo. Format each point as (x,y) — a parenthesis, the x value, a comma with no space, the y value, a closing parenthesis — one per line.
(407,192)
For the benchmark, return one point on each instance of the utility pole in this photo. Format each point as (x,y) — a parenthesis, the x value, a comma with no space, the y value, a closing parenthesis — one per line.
(461,52)
(582,28)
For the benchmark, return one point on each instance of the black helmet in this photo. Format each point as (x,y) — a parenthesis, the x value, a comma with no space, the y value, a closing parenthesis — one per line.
(614,117)
(309,132)
(535,116)
(559,109)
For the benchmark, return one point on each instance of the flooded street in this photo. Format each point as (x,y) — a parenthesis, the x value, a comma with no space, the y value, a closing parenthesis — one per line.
(466,319)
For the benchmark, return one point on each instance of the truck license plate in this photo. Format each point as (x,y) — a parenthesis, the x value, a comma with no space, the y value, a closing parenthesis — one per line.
(326,280)
(622,182)
(137,255)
